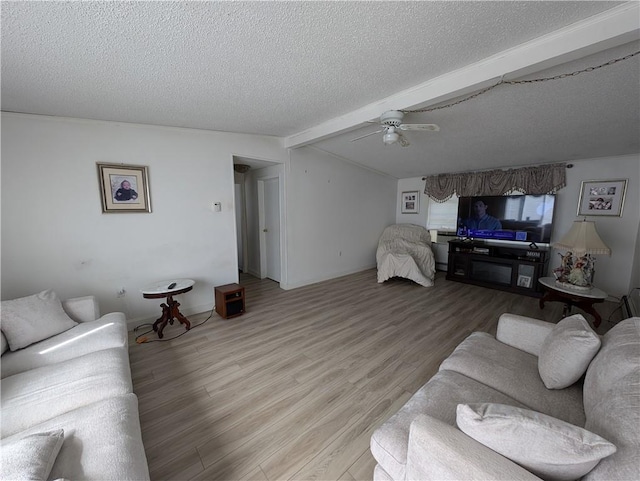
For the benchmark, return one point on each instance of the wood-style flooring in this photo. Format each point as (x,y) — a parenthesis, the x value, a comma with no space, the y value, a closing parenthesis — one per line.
(294,388)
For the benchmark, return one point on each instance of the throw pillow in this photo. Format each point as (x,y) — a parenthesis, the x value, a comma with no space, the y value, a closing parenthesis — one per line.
(31,457)
(566,352)
(548,447)
(33,318)
(4,345)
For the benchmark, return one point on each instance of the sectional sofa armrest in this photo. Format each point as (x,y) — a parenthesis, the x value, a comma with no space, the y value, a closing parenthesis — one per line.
(82,309)
(524,333)
(439,451)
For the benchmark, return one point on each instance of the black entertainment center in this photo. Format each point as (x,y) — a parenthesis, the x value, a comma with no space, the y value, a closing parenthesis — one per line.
(510,268)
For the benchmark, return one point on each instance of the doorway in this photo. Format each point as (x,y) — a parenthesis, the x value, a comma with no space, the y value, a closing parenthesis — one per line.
(260,218)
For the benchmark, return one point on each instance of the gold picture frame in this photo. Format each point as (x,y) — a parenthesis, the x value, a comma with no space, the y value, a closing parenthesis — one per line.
(602,197)
(124,188)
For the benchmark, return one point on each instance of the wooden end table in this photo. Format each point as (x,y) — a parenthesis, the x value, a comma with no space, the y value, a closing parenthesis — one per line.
(582,299)
(229,300)
(170,311)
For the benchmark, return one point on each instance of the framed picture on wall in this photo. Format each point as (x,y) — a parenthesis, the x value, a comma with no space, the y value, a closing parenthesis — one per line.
(411,202)
(124,188)
(602,197)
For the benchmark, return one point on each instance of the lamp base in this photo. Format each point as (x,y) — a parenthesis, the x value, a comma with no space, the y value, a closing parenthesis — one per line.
(576,272)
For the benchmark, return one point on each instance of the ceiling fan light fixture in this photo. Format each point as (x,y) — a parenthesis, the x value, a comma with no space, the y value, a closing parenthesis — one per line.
(390,137)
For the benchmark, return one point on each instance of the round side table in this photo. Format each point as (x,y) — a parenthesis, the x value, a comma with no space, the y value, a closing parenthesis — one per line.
(170,311)
(583,299)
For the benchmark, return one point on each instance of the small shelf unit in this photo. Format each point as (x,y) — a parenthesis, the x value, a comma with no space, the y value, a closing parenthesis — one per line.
(229,300)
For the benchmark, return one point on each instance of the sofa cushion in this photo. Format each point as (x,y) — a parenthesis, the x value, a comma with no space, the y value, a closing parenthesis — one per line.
(4,345)
(34,396)
(618,358)
(439,451)
(33,318)
(108,331)
(30,457)
(546,446)
(521,332)
(612,400)
(101,441)
(567,351)
(438,398)
(514,373)
(380,474)
(82,309)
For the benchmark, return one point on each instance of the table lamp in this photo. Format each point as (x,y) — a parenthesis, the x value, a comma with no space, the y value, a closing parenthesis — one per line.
(581,242)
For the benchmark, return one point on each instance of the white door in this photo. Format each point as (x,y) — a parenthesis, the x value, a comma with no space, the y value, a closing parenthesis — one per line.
(272,227)
(239,209)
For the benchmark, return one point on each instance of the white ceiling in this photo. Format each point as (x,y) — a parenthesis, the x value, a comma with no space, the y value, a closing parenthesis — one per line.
(315,72)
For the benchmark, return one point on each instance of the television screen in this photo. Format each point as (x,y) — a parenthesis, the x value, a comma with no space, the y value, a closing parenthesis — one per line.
(523,218)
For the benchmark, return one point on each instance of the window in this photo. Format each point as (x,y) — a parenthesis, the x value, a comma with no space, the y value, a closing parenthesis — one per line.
(442,216)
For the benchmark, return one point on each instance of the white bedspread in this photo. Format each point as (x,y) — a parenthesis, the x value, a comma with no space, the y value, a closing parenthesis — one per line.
(404,250)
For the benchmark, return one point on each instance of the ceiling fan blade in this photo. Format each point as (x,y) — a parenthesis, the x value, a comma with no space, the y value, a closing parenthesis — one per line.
(431,127)
(367,135)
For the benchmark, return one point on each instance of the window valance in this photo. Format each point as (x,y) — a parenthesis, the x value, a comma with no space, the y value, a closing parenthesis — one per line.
(544,179)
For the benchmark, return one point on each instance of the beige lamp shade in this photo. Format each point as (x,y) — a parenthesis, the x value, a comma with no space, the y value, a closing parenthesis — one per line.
(582,239)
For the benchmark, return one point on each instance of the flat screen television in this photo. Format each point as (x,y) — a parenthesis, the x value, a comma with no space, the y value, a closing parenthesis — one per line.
(520,218)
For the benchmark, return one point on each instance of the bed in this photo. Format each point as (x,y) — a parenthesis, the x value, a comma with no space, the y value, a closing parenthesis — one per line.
(404,250)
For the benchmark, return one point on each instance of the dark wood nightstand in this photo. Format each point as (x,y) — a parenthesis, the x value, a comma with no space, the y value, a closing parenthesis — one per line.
(229,300)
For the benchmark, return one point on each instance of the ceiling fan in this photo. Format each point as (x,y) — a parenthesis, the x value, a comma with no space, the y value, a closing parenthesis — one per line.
(392,126)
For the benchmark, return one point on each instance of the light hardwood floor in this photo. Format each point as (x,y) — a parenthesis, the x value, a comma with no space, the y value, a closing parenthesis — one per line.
(294,388)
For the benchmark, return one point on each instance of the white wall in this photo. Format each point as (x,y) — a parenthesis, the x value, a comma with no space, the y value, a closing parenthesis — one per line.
(412,184)
(54,234)
(635,272)
(336,212)
(613,274)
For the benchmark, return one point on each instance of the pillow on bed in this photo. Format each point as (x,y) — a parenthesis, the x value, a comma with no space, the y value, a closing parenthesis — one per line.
(33,318)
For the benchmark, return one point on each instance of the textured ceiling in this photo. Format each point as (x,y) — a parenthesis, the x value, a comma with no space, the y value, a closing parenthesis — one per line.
(595,114)
(279,68)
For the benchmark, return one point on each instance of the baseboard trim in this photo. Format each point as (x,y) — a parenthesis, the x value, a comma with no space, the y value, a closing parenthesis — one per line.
(315,280)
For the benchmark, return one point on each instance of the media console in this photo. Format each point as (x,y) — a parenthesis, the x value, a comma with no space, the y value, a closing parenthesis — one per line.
(505,267)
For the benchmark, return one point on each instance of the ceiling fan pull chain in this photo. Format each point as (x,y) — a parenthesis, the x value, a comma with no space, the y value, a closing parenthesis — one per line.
(522,82)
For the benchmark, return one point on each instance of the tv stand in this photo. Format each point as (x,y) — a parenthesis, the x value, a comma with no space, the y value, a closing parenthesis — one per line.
(505,267)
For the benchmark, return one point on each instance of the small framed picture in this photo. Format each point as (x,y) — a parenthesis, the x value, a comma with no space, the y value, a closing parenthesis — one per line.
(124,188)
(602,197)
(524,281)
(411,202)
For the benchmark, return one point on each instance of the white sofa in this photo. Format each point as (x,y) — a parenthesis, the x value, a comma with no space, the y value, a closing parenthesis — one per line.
(424,441)
(77,381)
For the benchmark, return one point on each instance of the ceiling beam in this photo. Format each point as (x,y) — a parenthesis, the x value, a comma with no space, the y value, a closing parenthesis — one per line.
(609,29)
